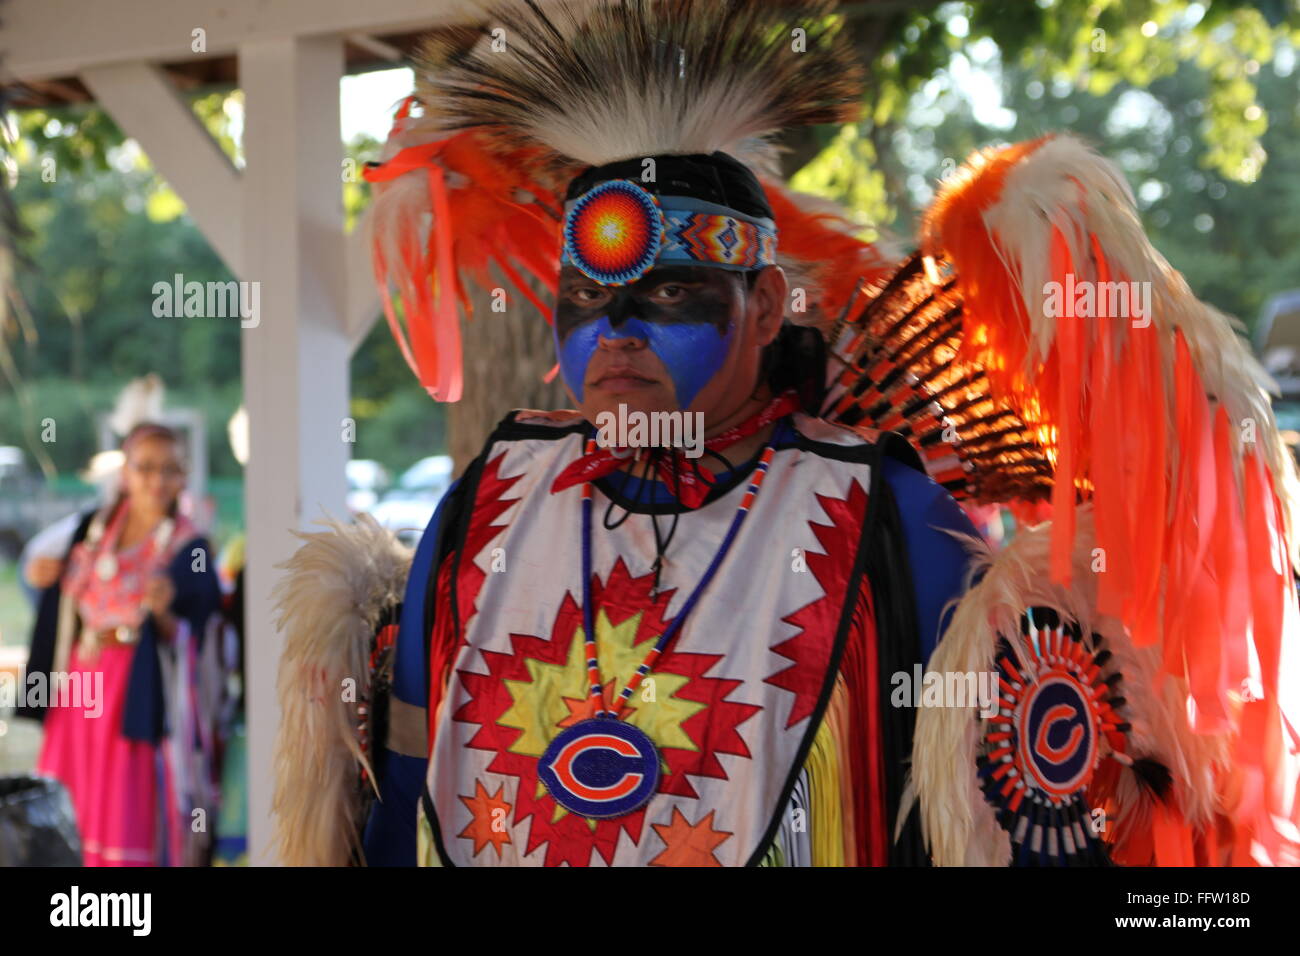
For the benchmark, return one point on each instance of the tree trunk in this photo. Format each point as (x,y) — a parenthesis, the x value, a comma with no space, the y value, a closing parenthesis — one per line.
(506,356)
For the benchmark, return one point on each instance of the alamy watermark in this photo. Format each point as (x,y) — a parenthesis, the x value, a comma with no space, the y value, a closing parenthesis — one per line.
(1086,299)
(133,911)
(83,690)
(635,429)
(922,688)
(208,300)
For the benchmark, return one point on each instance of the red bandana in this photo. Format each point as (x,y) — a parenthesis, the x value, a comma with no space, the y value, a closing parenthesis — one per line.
(676,470)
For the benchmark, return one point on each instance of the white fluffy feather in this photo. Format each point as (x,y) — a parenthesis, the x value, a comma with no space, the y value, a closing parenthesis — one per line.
(599,82)
(329,603)
(141,400)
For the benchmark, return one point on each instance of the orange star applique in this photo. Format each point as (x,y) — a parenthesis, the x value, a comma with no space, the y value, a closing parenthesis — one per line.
(687,845)
(585,709)
(488,819)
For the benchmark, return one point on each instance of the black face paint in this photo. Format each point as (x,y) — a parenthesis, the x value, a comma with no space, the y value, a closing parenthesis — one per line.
(706,295)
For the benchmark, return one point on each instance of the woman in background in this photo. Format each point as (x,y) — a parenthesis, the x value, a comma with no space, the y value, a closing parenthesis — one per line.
(131,602)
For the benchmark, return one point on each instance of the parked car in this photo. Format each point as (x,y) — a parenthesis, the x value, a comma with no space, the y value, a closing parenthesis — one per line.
(28,502)
(407,509)
(367,480)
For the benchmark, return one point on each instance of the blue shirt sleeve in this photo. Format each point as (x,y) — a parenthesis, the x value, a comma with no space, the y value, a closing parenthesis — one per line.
(937,560)
(409,677)
(390,834)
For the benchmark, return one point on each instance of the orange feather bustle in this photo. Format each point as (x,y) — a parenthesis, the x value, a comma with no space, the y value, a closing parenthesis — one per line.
(838,262)
(1188,526)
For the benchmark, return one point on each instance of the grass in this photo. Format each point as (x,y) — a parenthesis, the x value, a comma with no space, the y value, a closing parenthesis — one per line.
(20,740)
(15,609)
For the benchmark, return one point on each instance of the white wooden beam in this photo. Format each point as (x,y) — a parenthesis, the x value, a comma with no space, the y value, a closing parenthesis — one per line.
(295,362)
(55,38)
(149,109)
(384,51)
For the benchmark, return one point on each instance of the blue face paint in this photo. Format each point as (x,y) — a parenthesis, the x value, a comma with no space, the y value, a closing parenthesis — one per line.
(691,351)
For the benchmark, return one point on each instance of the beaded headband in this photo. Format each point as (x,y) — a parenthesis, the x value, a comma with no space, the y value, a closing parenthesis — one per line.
(616,231)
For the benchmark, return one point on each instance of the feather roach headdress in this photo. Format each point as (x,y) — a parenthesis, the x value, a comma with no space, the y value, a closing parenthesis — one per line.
(586,86)
(526,135)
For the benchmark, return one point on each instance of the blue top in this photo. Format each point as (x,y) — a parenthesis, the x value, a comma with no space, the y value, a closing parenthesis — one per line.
(927,514)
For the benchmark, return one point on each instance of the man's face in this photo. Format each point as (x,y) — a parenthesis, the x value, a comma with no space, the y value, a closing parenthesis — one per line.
(680,337)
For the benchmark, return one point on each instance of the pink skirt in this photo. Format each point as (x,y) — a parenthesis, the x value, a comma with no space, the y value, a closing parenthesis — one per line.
(113,781)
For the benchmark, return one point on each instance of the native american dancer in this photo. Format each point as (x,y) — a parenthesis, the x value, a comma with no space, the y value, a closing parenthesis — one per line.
(627,655)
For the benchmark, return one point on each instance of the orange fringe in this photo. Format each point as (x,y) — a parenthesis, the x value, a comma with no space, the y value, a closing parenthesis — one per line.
(472,228)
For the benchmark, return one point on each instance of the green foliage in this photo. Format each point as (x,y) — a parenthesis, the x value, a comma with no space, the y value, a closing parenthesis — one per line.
(77,138)
(1237,240)
(1096,44)
(1091,46)
(397,423)
(216,110)
(849,170)
(99,253)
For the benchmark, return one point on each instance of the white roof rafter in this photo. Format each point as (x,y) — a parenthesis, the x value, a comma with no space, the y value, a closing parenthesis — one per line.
(48,39)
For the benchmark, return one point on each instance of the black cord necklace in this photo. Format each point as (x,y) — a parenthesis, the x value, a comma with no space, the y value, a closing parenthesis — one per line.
(642,495)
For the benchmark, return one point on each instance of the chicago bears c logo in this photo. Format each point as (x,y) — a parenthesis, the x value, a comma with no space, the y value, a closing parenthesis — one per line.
(600,768)
(1058,734)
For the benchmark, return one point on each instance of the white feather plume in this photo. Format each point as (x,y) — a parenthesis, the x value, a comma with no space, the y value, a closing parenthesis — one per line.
(1067,186)
(329,603)
(141,400)
(597,83)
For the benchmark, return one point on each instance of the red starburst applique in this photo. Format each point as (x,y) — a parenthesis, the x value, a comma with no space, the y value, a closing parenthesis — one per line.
(810,649)
(490,503)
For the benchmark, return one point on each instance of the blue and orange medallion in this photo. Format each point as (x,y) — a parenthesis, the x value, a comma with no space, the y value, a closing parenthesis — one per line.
(600,768)
(1056,721)
(613,232)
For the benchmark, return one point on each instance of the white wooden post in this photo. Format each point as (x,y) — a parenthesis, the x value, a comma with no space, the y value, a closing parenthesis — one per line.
(295,362)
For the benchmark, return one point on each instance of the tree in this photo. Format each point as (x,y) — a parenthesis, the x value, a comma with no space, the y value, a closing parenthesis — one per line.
(1225,219)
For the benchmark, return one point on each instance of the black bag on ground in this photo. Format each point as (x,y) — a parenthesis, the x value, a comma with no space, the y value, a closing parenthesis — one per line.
(37,823)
